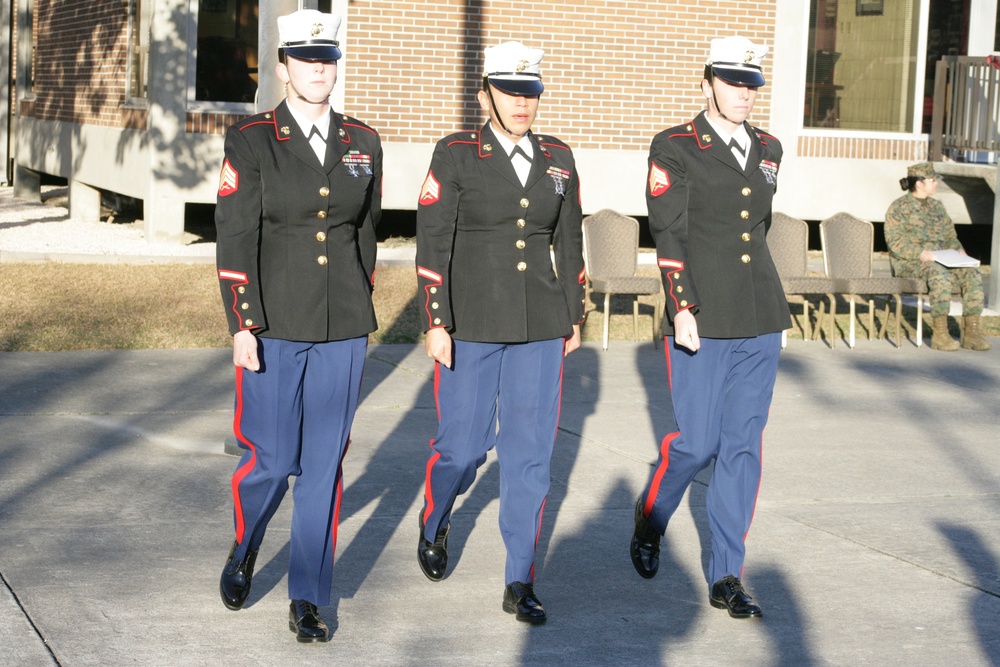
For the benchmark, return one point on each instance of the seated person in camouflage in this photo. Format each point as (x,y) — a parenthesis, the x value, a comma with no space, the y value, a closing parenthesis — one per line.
(916,225)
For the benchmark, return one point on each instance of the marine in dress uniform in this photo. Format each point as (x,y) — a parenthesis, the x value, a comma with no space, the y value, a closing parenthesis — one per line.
(299,198)
(709,192)
(499,317)
(916,224)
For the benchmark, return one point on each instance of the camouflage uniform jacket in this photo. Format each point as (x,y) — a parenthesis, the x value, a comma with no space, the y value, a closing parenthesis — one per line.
(913,225)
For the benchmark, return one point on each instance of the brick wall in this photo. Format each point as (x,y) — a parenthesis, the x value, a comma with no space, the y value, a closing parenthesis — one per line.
(80,63)
(615,72)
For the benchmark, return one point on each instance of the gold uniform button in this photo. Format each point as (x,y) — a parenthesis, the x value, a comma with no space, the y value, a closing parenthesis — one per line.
(524,203)
(684,303)
(320,236)
(248,323)
(437,320)
(245,306)
(520,244)
(322,260)
(745,259)
(746,191)
(521,266)
(435,305)
(434,290)
(744,214)
(321,215)
(680,288)
(324,191)
(745,236)
(521,223)
(241,289)
(677,276)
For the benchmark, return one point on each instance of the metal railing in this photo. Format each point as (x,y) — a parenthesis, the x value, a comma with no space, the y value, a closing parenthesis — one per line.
(966,107)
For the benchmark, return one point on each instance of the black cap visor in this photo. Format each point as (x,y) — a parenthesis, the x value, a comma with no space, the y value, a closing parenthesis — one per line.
(314,53)
(738,74)
(520,84)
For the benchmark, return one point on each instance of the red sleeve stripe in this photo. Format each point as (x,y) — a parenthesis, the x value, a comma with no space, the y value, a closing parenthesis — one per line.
(430,275)
(670,264)
(232,275)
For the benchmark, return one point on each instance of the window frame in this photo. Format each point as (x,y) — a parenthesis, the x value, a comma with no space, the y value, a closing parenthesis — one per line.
(916,113)
(191,93)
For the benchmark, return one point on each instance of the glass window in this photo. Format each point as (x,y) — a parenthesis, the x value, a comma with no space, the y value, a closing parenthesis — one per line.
(226,66)
(861,65)
(138,49)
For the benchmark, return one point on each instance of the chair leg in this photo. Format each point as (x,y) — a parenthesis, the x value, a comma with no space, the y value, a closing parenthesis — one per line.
(850,335)
(607,317)
(805,318)
(920,320)
(820,315)
(885,320)
(899,318)
(635,319)
(871,317)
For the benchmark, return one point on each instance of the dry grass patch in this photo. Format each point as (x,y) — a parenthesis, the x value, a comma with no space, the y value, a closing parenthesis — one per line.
(51,306)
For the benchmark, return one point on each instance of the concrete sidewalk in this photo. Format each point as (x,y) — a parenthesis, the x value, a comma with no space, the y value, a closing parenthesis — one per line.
(875,540)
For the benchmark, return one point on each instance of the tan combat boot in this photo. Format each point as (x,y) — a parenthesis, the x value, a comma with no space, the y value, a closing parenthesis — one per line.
(941,339)
(972,336)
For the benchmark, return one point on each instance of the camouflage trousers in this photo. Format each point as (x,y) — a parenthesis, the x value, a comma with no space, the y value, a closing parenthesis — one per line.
(942,281)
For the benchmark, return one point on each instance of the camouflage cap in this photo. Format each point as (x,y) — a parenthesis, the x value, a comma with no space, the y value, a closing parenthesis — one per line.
(921,170)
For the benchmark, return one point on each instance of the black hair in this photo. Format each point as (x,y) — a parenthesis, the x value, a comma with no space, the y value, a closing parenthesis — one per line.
(708,75)
(909,183)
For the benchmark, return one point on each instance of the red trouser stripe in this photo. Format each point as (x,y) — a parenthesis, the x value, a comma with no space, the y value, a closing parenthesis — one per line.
(245,469)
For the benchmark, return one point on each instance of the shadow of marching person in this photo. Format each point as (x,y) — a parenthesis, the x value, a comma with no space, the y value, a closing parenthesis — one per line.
(386,444)
(984,567)
(600,612)
(784,618)
(581,388)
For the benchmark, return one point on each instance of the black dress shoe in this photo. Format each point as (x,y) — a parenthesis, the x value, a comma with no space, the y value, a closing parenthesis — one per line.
(433,556)
(645,546)
(520,599)
(234,586)
(304,620)
(728,593)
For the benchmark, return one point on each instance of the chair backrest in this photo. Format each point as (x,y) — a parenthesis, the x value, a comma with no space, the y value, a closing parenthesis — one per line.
(788,242)
(610,244)
(848,244)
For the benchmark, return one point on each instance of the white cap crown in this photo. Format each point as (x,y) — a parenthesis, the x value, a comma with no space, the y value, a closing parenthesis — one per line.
(737,60)
(310,35)
(514,68)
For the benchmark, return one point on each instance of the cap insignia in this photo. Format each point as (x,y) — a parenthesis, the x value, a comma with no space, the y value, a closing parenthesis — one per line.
(285,131)
(522,65)
(317,29)
(748,58)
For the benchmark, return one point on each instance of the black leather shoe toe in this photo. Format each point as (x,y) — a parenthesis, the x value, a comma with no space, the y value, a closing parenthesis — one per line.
(645,545)
(237,577)
(433,556)
(520,599)
(728,593)
(304,620)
